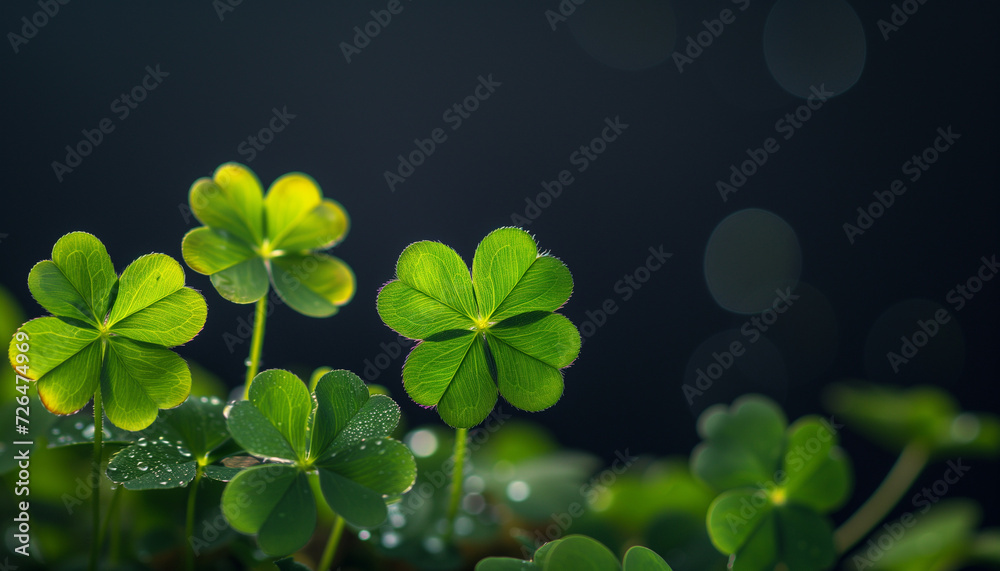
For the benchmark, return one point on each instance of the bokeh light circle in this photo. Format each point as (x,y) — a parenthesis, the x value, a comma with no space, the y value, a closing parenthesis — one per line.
(814,43)
(751,256)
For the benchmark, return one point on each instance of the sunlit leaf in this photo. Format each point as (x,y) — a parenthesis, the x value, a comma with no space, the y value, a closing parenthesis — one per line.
(109,332)
(251,241)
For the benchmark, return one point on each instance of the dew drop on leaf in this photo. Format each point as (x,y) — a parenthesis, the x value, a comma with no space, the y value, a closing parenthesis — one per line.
(78,425)
(142,467)
(142,443)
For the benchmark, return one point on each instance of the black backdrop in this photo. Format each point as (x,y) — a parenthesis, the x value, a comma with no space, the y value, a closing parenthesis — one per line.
(221,72)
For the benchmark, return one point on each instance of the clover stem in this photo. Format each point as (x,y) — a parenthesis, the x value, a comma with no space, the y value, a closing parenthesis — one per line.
(901,476)
(189,520)
(461,436)
(331,544)
(95,479)
(113,514)
(255,344)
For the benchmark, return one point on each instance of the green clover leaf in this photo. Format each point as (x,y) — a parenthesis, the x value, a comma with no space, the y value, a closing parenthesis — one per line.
(578,553)
(108,332)
(777,482)
(169,452)
(926,416)
(493,330)
(338,433)
(249,240)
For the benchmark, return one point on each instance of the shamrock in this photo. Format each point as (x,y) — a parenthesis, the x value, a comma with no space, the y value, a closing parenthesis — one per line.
(495,330)
(337,434)
(248,240)
(578,553)
(777,482)
(108,333)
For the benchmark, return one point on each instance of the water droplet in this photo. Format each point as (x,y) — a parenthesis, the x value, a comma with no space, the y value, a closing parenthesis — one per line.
(247,362)
(163,483)
(142,442)
(112,468)
(56,431)
(78,425)
(142,467)
(87,432)
(364,535)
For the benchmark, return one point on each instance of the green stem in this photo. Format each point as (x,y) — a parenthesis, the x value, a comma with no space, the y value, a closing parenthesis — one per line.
(112,513)
(904,472)
(95,479)
(461,436)
(189,520)
(256,343)
(331,544)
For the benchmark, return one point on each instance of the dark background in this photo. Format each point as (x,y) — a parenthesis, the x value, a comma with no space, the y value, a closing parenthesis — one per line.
(653,186)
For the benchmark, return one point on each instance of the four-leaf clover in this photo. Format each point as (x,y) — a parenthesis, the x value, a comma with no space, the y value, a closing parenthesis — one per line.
(777,482)
(108,332)
(338,432)
(249,239)
(495,330)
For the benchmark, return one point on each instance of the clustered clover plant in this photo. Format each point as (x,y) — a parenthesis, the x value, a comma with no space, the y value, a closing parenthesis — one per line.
(294,454)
